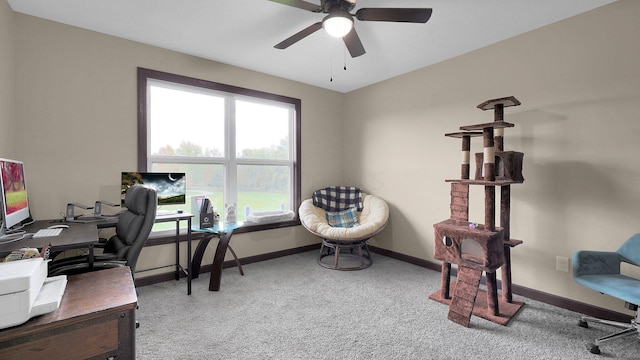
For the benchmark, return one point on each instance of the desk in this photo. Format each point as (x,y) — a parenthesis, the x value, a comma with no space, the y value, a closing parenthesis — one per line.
(85,235)
(223,232)
(75,237)
(95,320)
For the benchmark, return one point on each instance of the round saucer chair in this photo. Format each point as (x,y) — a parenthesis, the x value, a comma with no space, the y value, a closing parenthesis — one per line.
(345,232)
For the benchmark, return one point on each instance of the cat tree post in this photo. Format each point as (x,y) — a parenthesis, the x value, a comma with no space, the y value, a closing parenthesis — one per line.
(498,106)
(466,156)
(490,213)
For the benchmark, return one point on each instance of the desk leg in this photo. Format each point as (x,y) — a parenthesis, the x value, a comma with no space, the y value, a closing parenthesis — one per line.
(90,257)
(189,257)
(198,254)
(177,249)
(218,261)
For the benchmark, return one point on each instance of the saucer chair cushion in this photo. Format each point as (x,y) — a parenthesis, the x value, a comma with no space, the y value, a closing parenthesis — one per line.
(371,220)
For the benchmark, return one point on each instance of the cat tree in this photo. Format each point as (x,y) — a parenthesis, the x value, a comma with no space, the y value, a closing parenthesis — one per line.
(477,248)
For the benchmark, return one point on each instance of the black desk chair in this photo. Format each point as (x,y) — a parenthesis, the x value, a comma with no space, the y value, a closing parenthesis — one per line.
(122,249)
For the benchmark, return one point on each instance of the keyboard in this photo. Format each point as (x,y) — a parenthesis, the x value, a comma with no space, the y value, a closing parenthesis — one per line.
(47,233)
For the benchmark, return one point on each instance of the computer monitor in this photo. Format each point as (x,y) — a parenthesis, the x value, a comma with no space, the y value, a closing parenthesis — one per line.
(170,187)
(15,202)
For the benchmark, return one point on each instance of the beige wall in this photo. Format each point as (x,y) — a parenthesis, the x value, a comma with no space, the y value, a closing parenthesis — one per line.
(7,108)
(77,125)
(578,126)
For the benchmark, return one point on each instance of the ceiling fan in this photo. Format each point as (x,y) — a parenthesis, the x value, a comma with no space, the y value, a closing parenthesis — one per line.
(339,21)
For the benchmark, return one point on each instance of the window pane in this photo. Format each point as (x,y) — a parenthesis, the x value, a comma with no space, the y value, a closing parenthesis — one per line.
(262,188)
(237,146)
(185,123)
(202,180)
(262,131)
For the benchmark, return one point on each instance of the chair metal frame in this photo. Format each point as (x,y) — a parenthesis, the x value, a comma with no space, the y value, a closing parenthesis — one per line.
(345,249)
(627,328)
(601,271)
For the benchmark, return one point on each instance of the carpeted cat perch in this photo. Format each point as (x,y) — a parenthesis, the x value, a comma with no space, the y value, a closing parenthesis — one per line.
(480,248)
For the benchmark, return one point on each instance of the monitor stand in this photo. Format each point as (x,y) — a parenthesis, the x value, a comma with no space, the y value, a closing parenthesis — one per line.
(10,237)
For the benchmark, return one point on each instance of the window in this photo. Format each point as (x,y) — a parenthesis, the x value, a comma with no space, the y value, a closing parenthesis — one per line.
(237,146)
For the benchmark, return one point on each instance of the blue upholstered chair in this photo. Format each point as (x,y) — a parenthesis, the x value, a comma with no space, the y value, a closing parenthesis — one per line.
(600,271)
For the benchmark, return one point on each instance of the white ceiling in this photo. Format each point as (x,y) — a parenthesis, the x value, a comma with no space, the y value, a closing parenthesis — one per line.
(242,32)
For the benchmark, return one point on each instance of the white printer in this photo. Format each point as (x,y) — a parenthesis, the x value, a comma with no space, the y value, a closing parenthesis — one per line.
(25,291)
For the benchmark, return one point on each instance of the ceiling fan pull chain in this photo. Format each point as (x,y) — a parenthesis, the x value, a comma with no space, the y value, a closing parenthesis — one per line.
(345,58)
(331,63)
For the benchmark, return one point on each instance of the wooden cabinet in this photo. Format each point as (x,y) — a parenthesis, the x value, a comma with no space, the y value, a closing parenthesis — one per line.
(95,320)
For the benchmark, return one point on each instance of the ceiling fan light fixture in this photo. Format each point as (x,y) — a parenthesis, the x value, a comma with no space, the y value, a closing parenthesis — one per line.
(338,23)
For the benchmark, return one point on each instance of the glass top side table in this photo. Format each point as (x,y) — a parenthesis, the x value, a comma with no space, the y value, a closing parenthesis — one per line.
(223,231)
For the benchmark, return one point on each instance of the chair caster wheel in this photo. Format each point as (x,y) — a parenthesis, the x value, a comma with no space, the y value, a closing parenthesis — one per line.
(594,349)
(583,324)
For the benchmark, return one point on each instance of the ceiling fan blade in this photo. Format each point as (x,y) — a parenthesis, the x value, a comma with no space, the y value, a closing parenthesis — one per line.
(299,36)
(353,43)
(412,15)
(300,5)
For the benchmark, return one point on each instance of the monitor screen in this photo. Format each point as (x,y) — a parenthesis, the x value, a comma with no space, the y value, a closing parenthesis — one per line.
(170,187)
(15,203)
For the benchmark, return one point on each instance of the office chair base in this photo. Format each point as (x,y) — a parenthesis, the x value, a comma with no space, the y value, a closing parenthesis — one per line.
(627,329)
(345,255)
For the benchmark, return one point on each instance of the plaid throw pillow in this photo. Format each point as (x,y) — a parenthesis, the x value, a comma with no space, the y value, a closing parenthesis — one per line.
(338,198)
(346,218)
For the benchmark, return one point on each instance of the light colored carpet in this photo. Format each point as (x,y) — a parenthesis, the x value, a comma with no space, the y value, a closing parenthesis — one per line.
(291,308)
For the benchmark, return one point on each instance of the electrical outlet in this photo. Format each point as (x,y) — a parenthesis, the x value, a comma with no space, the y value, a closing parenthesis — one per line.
(562,263)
